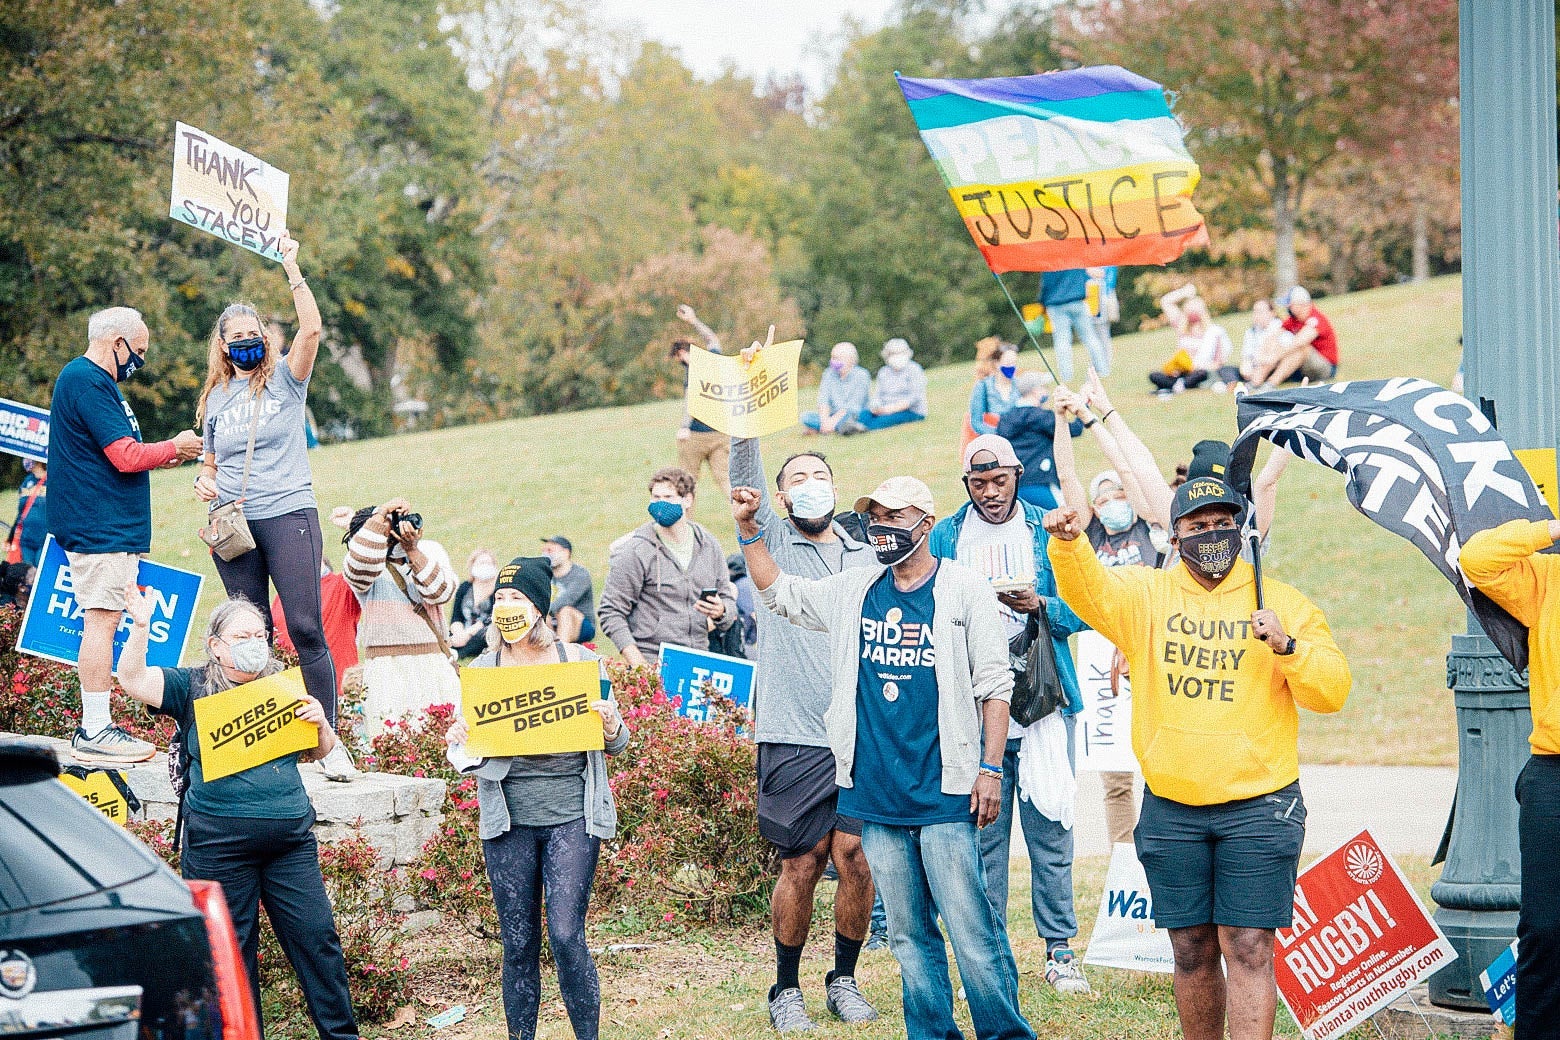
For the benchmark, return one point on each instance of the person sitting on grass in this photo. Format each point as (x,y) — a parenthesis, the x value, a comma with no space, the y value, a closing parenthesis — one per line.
(842,393)
(898,392)
(1203,348)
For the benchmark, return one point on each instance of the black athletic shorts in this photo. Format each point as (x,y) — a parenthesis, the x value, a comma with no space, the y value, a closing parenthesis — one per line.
(797,795)
(1232,864)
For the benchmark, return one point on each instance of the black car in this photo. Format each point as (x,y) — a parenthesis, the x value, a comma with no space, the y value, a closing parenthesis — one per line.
(99,939)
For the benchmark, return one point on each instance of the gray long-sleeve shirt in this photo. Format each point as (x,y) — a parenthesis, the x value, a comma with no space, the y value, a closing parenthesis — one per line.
(792,685)
(907,384)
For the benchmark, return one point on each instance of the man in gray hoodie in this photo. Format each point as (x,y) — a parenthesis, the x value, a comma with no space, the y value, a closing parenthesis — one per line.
(667,582)
(797,793)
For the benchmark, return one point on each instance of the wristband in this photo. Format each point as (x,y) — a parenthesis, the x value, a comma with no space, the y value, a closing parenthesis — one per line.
(995,771)
(749,541)
(299,284)
(1107,415)
(1288,650)
(1090,424)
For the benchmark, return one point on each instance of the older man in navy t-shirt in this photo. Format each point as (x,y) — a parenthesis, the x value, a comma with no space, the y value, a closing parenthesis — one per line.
(100,509)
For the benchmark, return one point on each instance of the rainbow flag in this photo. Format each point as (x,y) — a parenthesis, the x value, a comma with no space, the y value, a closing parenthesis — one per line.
(1081,168)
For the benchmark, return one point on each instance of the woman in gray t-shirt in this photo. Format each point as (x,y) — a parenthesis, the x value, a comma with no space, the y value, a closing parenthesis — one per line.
(252,386)
(542,817)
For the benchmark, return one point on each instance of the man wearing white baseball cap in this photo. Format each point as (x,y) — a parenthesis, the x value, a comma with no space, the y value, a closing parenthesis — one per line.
(917,722)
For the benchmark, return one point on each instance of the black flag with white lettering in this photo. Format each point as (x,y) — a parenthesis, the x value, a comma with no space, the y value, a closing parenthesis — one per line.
(1421,461)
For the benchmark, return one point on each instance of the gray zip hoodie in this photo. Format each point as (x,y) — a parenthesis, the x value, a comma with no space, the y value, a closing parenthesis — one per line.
(648,600)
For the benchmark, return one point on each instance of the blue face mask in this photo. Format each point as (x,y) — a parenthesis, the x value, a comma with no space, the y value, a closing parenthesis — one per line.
(666,513)
(127,368)
(247,354)
(1008,371)
(1116,515)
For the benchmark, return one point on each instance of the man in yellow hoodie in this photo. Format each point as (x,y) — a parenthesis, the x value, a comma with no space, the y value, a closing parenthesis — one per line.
(1214,724)
(1507,564)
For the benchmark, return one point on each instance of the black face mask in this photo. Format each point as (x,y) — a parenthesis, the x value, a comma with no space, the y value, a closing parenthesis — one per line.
(246,354)
(1211,553)
(893,544)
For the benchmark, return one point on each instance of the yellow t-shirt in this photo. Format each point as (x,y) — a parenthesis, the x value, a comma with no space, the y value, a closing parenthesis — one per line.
(1213,708)
(1503,563)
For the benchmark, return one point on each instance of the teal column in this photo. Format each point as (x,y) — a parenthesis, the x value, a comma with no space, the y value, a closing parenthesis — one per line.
(1511,310)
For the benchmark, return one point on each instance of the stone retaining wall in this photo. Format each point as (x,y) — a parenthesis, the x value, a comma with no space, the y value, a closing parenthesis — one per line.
(398,814)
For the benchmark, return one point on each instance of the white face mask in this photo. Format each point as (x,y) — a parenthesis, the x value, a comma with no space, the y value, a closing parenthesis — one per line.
(484,572)
(898,362)
(812,499)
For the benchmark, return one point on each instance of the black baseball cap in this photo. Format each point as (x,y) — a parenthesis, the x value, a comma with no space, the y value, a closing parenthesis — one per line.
(559,539)
(1206,484)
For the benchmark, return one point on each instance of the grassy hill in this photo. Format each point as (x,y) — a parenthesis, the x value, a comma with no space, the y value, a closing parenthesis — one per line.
(506,485)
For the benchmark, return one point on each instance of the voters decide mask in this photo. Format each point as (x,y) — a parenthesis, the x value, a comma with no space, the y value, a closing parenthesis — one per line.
(665,513)
(513,621)
(893,544)
(1211,553)
(484,572)
(250,656)
(128,367)
(1116,515)
(246,354)
(812,499)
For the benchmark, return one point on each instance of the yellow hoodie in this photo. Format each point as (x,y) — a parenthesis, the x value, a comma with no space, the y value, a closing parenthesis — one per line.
(1502,563)
(1213,708)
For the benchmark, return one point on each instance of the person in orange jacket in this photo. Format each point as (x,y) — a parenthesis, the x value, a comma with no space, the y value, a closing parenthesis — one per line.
(1508,564)
(1215,689)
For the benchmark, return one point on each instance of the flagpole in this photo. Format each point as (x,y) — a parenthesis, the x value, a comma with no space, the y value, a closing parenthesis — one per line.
(1027,331)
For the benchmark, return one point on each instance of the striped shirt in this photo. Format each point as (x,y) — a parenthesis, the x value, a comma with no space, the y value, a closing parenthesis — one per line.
(391,617)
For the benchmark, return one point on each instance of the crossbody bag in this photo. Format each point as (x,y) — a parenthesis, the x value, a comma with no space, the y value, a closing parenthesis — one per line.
(227,529)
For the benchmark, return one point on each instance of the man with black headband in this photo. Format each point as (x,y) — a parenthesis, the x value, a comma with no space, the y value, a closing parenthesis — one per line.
(917,721)
(1002,537)
(1215,688)
(797,793)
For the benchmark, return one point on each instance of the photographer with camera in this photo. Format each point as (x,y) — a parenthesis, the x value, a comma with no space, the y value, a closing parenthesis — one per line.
(402,580)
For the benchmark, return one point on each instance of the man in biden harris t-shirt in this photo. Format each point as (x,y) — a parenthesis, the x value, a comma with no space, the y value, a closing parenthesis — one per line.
(917,722)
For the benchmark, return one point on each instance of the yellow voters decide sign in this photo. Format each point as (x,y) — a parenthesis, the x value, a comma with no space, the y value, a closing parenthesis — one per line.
(534,709)
(745,400)
(1540,465)
(100,791)
(252,724)
(228,192)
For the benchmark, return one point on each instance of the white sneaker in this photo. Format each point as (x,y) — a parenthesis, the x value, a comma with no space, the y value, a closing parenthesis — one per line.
(1064,974)
(337,765)
(112,747)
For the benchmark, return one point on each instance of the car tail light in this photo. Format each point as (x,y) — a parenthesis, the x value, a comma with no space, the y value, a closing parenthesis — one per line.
(234,996)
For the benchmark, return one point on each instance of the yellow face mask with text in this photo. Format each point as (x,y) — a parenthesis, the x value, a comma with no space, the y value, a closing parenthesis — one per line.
(513,621)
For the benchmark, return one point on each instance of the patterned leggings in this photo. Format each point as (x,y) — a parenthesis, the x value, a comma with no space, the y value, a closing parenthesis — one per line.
(522,863)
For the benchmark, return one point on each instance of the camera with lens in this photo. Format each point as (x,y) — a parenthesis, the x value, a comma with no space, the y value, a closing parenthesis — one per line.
(397,518)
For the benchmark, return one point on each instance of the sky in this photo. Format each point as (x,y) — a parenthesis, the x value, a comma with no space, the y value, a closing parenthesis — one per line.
(758,36)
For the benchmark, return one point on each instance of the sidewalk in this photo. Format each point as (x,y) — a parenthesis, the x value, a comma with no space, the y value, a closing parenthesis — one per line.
(1405,808)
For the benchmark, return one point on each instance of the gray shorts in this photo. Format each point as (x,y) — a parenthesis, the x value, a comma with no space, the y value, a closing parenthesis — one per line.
(1232,864)
(98,580)
(797,795)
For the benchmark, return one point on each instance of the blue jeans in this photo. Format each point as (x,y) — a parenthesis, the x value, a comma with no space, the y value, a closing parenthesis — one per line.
(1050,856)
(883,422)
(935,871)
(1067,318)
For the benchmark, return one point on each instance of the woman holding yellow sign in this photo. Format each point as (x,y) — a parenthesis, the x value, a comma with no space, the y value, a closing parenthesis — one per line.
(250,830)
(543,816)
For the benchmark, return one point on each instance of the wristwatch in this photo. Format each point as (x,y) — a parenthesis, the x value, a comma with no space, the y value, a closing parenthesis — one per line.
(1286,651)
